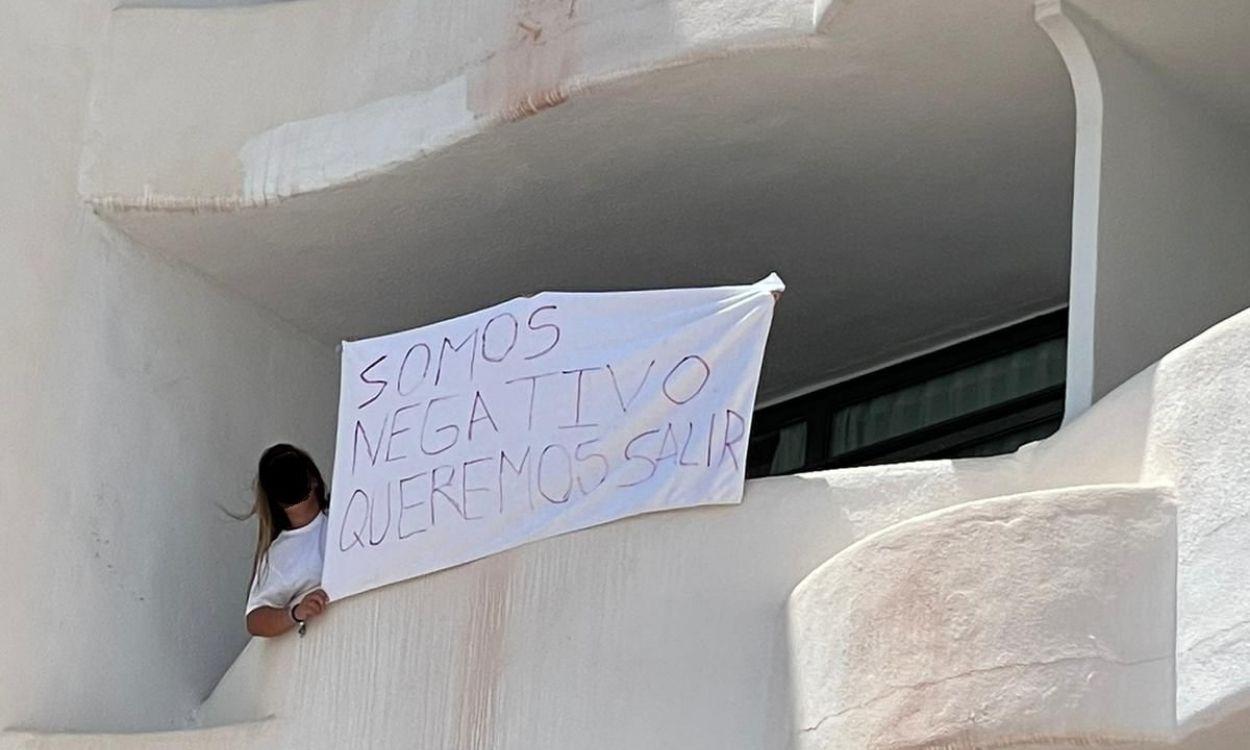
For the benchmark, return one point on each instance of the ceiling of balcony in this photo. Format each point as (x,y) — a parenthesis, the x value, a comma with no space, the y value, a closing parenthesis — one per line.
(908,174)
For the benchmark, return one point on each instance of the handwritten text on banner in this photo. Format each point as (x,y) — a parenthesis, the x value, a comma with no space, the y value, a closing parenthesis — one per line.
(536,417)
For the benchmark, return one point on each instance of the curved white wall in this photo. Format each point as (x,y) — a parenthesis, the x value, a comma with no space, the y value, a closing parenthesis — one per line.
(362,87)
(952,609)
(1123,561)
(1041,616)
(135,397)
(665,630)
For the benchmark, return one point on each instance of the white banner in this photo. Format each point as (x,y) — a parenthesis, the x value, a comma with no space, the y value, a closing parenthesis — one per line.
(536,417)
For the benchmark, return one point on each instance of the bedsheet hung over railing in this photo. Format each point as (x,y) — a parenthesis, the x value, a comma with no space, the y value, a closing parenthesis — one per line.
(539,416)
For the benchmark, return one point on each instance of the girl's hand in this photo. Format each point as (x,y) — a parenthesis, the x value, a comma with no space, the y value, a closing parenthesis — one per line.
(311,606)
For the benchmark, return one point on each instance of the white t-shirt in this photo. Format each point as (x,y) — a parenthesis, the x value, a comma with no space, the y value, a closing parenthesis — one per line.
(293,568)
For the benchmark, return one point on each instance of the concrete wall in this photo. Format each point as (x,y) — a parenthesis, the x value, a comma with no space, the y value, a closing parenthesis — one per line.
(966,629)
(362,87)
(388,140)
(1161,226)
(135,397)
(1000,620)
(1083,591)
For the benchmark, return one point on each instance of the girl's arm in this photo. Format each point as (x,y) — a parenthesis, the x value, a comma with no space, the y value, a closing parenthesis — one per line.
(268,622)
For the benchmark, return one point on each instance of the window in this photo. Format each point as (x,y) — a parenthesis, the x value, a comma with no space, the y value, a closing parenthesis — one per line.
(981,397)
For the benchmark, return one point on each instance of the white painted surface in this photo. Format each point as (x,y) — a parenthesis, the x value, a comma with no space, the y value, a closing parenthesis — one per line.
(328,150)
(1086,174)
(665,630)
(997,622)
(282,63)
(1162,182)
(1199,440)
(135,396)
(670,630)
(633,145)
(146,422)
(1199,46)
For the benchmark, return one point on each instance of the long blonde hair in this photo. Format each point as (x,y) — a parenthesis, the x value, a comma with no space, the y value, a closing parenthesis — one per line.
(284,477)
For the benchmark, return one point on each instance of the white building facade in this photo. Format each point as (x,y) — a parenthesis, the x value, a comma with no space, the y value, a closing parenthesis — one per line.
(203,197)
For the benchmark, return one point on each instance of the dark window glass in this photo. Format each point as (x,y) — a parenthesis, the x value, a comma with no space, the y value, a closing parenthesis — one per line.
(978,398)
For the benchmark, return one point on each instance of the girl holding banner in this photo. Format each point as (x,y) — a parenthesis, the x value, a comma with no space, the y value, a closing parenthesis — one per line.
(290,505)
